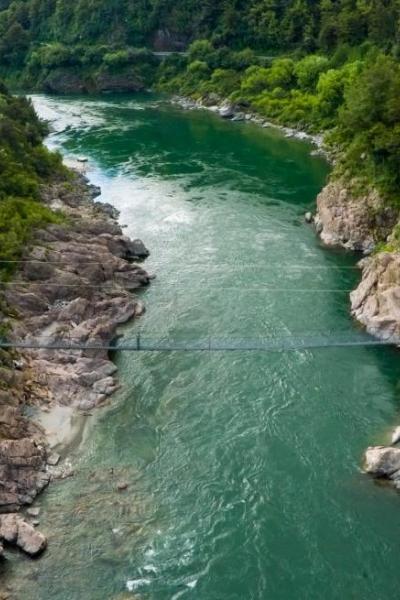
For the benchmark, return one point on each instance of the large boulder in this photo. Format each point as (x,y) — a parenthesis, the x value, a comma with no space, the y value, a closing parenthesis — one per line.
(14,530)
(30,540)
(227,111)
(382,461)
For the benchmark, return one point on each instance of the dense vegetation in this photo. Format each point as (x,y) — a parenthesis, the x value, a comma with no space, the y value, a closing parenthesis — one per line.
(336,68)
(24,165)
(352,95)
(261,24)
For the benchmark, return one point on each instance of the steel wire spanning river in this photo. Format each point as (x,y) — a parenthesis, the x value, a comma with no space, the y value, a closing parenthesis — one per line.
(243,469)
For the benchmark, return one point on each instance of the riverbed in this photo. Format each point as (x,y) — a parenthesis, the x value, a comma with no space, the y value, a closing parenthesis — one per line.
(243,468)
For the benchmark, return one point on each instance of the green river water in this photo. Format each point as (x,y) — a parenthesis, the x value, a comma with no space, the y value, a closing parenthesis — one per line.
(243,468)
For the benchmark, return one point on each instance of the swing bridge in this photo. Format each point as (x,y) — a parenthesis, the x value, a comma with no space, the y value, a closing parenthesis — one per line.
(141,341)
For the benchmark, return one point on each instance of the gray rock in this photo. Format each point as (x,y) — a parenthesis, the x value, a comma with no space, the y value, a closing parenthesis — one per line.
(52,460)
(30,540)
(227,111)
(396,435)
(353,222)
(382,461)
(9,528)
(34,511)
(375,303)
(238,117)
(108,209)
(308,217)
(105,386)
(137,250)
(81,297)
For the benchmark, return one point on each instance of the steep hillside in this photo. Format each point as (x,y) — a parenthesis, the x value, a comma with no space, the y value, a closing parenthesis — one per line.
(262,24)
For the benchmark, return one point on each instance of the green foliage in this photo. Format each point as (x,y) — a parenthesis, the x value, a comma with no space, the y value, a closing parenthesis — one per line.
(369,124)
(335,69)
(308,70)
(267,25)
(354,95)
(24,165)
(18,218)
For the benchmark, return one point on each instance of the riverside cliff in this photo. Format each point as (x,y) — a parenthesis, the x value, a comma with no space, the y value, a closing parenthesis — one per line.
(76,286)
(359,223)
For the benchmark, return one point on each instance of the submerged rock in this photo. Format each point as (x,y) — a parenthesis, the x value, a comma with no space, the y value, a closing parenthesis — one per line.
(122,486)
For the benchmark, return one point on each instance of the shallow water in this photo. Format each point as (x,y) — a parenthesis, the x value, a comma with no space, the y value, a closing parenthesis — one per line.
(243,468)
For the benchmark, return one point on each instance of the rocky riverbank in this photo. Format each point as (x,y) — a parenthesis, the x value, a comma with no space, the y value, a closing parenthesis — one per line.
(359,223)
(235,113)
(75,287)
(65,81)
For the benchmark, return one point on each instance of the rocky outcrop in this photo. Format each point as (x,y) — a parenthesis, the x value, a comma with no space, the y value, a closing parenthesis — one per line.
(118,82)
(241,112)
(15,531)
(65,304)
(66,81)
(383,462)
(351,221)
(23,472)
(376,301)
(63,81)
(166,41)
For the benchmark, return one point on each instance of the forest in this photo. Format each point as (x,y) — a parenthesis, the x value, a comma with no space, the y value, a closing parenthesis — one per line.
(329,66)
(267,25)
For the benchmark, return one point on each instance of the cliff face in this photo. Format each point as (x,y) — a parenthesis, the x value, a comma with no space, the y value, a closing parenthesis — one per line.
(353,222)
(66,81)
(376,301)
(358,223)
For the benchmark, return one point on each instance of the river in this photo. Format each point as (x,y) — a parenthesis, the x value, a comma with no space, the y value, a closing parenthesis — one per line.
(243,468)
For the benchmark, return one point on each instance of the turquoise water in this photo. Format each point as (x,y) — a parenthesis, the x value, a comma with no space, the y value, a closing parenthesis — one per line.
(243,468)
